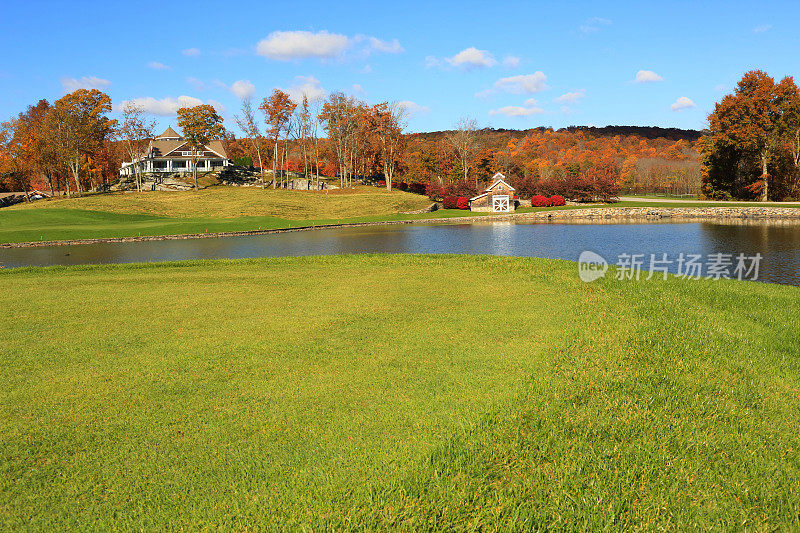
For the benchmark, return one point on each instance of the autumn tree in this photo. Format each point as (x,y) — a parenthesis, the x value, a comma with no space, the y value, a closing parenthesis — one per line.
(337,115)
(464,140)
(790,126)
(134,134)
(76,127)
(278,109)
(750,121)
(200,125)
(389,125)
(248,124)
(15,162)
(42,157)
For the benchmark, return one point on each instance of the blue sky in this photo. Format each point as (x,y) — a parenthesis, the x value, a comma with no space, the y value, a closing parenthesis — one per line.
(507,64)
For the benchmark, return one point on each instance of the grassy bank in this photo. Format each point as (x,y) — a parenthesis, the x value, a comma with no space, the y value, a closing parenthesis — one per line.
(221,209)
(234,202)
(395,391)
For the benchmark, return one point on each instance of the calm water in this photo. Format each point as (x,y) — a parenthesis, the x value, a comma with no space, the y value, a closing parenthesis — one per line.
(779,244)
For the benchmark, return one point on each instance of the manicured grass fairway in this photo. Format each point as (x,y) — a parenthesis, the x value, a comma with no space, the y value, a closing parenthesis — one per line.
(395,391)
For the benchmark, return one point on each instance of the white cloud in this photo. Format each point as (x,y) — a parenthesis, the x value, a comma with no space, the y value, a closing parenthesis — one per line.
(308,85)
(168,106)
(518,111)
(431,62)
(413,108)
(191,52)
(593,24)
(761,28)
(289,45)
(357,88)
(571,97)
(294,45)
(522,84)
(392,47)
(682,103)
(85,82)
(156,65)
(511,62)
(216,105)
(472,58)
(243,88)
(197,84)
(647,76)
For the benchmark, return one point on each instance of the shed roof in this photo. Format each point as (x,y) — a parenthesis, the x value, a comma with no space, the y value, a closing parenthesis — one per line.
(499,178)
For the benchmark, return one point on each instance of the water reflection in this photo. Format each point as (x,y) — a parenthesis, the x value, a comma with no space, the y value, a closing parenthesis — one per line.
(778,243)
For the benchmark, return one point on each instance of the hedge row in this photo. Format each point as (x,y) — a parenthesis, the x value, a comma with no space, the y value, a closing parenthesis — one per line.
(455,202)
(544,201)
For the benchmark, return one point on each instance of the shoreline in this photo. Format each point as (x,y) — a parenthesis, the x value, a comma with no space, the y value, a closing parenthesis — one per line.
(597,214)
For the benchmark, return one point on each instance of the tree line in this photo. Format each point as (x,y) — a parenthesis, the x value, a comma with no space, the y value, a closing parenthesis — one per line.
(360,139)
(73,145)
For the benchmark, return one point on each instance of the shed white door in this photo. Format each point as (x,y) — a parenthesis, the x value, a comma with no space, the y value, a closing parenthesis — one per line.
(500,204)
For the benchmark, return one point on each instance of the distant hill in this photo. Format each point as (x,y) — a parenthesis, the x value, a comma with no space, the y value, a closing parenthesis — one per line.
(646,132)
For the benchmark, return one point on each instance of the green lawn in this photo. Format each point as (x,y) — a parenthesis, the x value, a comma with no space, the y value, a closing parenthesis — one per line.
(395,391)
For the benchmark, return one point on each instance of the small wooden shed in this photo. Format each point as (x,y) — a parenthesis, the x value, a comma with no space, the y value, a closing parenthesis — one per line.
(497,198)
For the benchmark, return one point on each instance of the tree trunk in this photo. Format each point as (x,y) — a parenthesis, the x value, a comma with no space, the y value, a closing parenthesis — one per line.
(764,177)
(274,161)
(49,177)
(260,167)
(194,172)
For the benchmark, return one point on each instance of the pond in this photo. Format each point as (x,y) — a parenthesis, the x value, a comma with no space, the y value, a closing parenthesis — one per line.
(778,244)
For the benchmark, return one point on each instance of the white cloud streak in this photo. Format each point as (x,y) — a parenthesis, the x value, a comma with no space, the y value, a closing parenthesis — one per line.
(308,85)
(296,45)
(647,76)
(519,111)
(522,84)
(593,25)
(571,97)
(243,88)
(168,106)
(413,108)
(472,58)
(191,52)
(682,103)
(85,82)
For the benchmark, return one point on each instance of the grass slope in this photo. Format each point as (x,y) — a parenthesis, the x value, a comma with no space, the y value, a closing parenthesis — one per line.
(234,202)
(219,209)
(394,391)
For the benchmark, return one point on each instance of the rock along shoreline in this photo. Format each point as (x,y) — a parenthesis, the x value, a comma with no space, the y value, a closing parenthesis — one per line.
(591,214)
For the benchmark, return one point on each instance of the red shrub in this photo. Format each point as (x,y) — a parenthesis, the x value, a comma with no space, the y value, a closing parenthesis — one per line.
(462,203)
(540,201)
(434,191)
(450,202)
(381,183)
(557,200)
(417,188)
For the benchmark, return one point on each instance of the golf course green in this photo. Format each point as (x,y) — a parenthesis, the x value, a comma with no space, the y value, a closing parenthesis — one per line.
(395,391)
